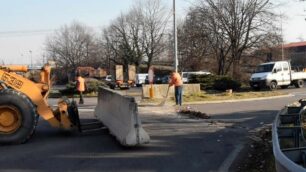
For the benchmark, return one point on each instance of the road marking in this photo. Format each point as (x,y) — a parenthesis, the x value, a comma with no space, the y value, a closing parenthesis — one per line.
(238,100)
(86,110)
(230,159)
(298,93)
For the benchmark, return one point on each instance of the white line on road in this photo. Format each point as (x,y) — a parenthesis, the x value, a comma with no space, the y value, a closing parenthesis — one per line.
(299,93)
(230,159)
(86,110)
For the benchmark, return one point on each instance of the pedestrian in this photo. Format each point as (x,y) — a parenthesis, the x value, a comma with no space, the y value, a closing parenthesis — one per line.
(176,80)
(80,87)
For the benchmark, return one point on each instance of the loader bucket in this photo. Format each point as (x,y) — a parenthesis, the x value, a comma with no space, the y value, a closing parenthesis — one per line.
(120,115)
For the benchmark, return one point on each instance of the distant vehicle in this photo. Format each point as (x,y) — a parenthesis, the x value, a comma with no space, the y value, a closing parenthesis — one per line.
(166,79)
(158,79)
(108,78)
(186,75)
(141,79)
(91,72)
(122,80)
(274,74)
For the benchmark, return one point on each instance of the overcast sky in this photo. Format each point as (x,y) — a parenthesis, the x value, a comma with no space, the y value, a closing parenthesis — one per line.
(25,24)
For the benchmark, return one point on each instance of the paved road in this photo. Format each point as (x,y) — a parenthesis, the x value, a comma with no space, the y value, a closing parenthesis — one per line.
(178,144)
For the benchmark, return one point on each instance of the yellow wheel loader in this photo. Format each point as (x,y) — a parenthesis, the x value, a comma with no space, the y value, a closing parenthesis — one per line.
(22,101)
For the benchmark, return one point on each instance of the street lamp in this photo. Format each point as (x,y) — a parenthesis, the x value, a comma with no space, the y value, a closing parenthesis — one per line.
(30,51)
(281,22)
(175,37)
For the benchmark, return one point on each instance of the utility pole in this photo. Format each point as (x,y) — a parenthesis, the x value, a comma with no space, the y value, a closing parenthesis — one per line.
(43,59)
(30,51)
(282,37)
(175,38)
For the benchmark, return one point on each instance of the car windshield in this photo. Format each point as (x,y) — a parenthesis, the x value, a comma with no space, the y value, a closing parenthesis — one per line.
(264,68)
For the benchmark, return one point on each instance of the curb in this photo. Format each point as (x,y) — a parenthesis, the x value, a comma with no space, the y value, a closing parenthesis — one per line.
(239,100)
(220,101)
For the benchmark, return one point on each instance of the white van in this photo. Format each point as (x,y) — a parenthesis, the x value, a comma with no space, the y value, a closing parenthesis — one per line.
(186,75)
(140,79)
(108,78)
(274,74)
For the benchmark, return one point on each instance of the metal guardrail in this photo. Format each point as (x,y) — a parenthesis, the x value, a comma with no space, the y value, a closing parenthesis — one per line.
(289,144)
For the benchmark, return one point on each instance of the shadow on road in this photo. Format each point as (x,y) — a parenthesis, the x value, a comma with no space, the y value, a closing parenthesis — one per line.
(177,144)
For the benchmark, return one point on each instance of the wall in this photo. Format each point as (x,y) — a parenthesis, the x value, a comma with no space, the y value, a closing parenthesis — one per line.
(160,90)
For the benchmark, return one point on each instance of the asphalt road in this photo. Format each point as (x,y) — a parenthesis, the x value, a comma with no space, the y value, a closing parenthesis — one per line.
(177,143)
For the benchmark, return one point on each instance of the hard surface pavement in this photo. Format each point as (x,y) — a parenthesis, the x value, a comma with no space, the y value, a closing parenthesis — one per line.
(177,143)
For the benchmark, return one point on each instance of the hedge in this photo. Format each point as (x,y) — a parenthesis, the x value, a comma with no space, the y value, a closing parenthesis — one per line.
(215,82)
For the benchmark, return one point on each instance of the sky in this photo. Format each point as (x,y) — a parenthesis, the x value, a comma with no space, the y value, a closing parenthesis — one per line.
(25,24)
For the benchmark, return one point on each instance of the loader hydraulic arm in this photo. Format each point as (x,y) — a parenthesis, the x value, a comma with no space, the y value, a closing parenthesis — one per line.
(14,68)
(36,92)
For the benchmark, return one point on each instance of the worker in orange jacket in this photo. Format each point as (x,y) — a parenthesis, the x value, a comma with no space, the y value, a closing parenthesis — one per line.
(80,87)
(177,81)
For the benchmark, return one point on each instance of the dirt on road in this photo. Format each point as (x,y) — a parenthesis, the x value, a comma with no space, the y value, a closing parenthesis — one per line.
(257,156)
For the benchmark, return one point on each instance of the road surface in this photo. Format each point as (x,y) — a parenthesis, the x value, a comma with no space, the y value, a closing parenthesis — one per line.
(177,143)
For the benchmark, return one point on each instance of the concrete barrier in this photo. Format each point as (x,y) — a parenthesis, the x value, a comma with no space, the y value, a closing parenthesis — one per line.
(120,115)
(160,90)
(286,158)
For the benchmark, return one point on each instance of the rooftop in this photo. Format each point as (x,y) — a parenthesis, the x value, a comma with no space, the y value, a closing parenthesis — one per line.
(295,44)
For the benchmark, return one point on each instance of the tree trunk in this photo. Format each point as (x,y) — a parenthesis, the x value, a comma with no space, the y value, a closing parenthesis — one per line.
(236,69)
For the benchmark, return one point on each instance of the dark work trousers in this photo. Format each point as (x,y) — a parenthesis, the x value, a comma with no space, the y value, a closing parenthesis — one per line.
(81,98)
(178,95)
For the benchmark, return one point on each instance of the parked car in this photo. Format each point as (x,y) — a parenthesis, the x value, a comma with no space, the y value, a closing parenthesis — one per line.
(186,75)
(166,79)
(108,78)
(158,79)
(141,79)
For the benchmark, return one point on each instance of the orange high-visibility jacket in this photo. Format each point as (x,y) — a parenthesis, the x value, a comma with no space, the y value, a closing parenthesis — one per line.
(80,84)
(176,79)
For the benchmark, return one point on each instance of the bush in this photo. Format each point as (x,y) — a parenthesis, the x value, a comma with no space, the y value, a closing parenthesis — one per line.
(215,82)
(92,86)
(206,81)
(70,89)
(224,83)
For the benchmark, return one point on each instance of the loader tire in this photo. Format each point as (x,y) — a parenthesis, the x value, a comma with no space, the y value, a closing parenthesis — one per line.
(74,115)
(18,117)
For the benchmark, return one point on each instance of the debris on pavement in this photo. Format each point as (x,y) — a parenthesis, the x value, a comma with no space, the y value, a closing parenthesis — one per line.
(192,113)
(258,154)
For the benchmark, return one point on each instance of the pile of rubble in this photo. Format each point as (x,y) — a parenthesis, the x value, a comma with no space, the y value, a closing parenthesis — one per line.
(258,156)
(192,113)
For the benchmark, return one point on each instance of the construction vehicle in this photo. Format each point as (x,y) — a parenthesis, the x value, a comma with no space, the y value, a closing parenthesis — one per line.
(91,72)
(22,101)
(120,81)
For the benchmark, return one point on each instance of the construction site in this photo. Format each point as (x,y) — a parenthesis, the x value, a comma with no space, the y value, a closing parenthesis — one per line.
(153,85)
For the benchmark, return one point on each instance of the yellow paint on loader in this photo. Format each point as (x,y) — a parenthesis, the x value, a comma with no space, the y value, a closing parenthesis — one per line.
(10,117)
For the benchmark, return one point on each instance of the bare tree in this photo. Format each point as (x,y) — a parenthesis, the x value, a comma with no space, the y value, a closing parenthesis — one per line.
(137,36)
(155,22)
(234,27)
(195,48)
(73,46)
(123,40)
